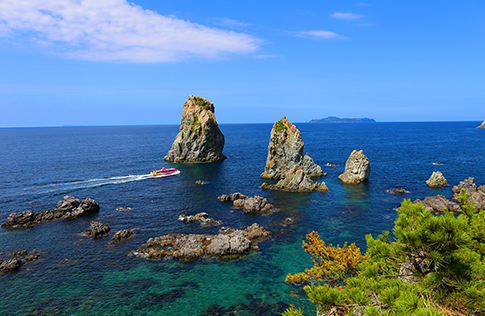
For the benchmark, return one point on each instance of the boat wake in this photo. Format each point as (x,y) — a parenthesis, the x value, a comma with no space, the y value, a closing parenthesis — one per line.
(83,184)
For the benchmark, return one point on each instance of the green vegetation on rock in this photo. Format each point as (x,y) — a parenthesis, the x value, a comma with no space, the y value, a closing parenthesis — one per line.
(203,103)
(435,267)
(280,127)
(196,123)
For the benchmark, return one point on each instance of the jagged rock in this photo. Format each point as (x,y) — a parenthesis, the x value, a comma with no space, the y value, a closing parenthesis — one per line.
(437,180)
(193,246)
(124,209)
(199,139)
(67,208)
(285,150)
(225,244)
(121,235)
(482,125)
(478,198)
(396,191)
(467,184)
(297,180)
(415,263)
(357,168)
(256,204)
(10,264)
(96,229)
(481,188)
(19,253)
(438,204)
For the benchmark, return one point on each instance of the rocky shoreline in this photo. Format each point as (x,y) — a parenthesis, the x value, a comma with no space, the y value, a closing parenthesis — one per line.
(228,244)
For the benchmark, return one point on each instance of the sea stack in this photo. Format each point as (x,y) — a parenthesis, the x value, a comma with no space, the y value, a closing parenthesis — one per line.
(482,126)
(297,180)
(285,150)
(199,139)
(437,180)
(357,168)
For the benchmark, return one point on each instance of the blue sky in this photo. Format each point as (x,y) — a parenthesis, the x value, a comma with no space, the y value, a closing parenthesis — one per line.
(113,62)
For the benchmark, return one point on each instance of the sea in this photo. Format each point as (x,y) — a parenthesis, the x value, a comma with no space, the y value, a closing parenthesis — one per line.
(77,275)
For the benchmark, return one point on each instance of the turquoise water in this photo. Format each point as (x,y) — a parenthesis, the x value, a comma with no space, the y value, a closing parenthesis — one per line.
(81,276)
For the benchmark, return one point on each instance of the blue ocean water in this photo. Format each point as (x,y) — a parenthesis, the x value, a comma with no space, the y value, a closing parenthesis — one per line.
(80,276)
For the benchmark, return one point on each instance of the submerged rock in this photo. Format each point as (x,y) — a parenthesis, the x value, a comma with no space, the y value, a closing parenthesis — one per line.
(202,217)
(96,230)
(437,180)
(193,246)
(199,139)
(438,204)
(482,125)
(297,180)
(249,205)
(357,168)
(396,191)
(121,235)
(285,150)
(67,208)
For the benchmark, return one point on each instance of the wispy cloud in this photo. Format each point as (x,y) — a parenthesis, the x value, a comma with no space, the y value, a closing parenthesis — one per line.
(230,23)
(319,35)
(346,16)
(116,31)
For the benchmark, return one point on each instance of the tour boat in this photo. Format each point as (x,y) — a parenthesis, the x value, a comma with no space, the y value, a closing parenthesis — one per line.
(164,172)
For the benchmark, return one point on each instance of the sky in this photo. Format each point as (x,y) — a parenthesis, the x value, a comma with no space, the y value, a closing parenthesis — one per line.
(113,62)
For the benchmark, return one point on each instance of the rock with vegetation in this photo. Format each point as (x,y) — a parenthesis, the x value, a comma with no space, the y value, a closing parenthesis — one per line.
(285,150)
(189,247)
(297,180)
(357,168)
(67,208)
(96,230)
(482,125)
(433,264)
(335,119)
(199,139)
(437,180)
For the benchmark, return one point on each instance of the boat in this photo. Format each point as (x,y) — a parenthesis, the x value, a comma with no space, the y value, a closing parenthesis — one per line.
(164,172)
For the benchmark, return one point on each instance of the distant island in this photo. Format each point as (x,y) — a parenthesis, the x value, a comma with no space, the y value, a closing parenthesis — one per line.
(334,119)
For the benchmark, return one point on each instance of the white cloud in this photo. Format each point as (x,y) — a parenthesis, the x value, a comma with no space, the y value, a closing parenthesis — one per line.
(230,23)
(318,35)
(116,31)
(346,16)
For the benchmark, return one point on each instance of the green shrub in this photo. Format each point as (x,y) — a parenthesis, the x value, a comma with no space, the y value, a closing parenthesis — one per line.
(203,103)
(280,127)
(434,267)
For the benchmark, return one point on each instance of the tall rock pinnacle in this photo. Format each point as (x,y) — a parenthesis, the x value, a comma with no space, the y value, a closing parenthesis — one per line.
(285,150)
(199,139)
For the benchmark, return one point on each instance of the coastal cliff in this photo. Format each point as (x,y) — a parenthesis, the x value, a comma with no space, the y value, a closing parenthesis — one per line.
(199,139)
(285,150)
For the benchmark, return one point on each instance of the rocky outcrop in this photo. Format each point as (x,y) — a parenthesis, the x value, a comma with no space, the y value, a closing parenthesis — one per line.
(482,125)
(437,180)
(357,168)
(249,205)
(199,139)
(297,180)
(96,230)
(203,218)
(193,246)
(438,203)
(10,264)
(121,235)
(467,184)
(285,150)
(68,208)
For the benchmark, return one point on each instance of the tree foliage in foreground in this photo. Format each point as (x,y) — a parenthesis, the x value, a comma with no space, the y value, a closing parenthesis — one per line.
(435,267)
